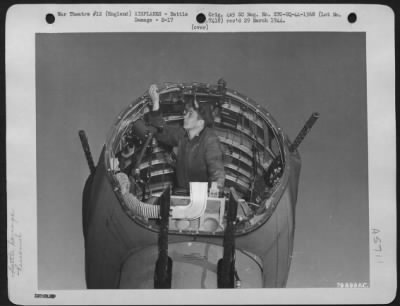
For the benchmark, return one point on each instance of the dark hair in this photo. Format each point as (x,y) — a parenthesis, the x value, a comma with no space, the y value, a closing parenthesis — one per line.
(203,110)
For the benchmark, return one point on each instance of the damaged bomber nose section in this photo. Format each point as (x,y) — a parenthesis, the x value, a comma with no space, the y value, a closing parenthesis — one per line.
(130,241)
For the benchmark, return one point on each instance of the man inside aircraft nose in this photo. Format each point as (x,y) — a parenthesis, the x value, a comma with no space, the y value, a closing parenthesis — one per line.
(200,155)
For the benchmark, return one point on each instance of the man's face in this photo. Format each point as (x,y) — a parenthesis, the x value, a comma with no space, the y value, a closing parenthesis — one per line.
(191,119)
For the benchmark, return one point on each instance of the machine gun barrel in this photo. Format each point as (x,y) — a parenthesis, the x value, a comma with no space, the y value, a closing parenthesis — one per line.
(163,269)
(304,131)
(86,150)
(275,169)
(226,265)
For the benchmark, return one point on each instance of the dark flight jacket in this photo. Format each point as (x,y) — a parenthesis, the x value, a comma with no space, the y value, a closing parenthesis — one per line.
(199,159)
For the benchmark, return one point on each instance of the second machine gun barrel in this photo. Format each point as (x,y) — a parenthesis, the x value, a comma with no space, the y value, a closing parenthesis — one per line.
(304,131)
(275,169)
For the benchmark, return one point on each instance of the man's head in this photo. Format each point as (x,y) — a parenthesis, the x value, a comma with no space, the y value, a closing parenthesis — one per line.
(197,116)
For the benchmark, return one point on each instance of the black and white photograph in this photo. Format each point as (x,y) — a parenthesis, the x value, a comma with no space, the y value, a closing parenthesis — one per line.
(197,160)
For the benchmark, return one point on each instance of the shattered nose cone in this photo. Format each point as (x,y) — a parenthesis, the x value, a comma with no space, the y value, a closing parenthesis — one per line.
(131,242)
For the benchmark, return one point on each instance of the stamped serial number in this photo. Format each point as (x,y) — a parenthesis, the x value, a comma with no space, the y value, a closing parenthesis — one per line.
(352,285)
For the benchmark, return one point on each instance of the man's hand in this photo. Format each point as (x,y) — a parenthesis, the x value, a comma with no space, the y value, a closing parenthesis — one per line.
(155,97)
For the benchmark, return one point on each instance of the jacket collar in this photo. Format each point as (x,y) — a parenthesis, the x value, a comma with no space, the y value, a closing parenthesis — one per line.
(196,136)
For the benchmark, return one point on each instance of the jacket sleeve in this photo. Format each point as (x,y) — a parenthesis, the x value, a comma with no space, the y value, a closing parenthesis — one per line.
(168,135)
(214,161)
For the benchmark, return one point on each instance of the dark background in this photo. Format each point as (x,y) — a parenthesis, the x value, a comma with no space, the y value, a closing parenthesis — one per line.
(85,80)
